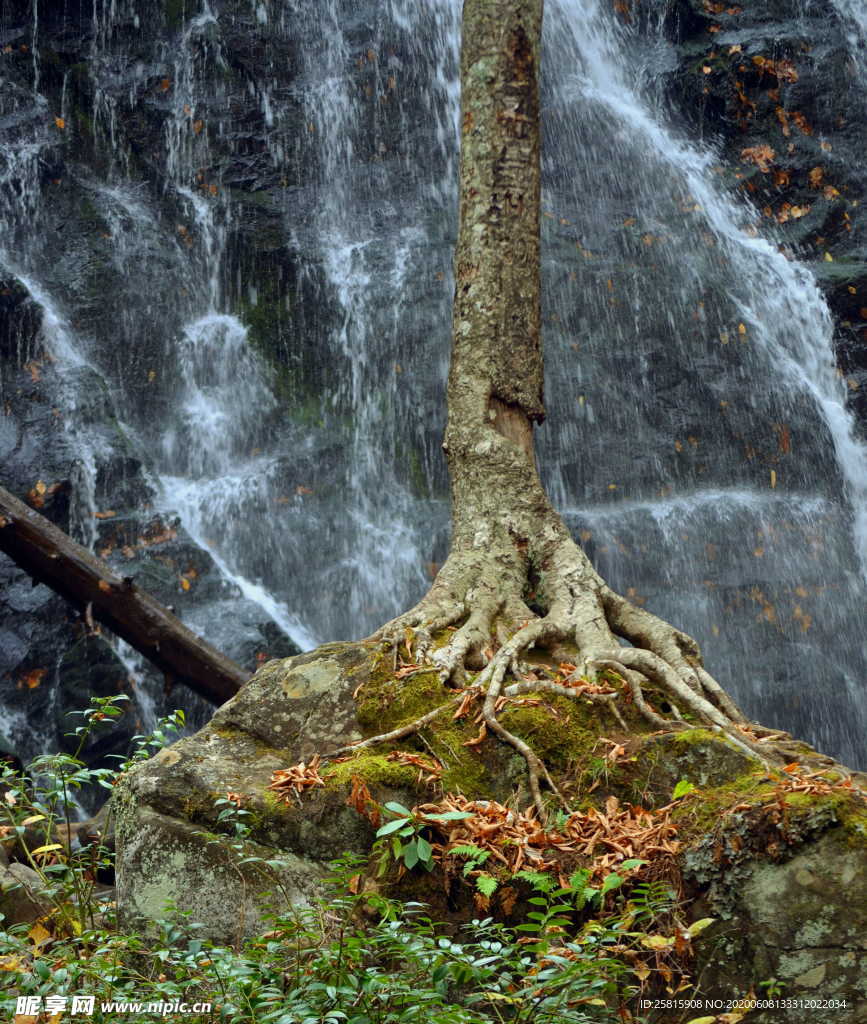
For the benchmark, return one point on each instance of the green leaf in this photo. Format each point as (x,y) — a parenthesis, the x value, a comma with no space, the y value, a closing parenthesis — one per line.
(410,854)
(392,826)
(446,815)
(539,881)
(397,808)
(683,788)
(425,850)
(612,881)
(470,850)
(628,865)
(699,926)
(578,879)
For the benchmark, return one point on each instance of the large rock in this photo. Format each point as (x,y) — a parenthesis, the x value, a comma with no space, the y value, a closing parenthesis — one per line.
(779,863)
(165,808)
(22,895)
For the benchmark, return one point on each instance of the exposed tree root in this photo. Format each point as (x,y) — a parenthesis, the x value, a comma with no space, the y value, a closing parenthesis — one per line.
(480,596)
(395,734)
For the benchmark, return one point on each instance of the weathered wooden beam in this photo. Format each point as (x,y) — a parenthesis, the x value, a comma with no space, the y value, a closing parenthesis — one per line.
(51,557)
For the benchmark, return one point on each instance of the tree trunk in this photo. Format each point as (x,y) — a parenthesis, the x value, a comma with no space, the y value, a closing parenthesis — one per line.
(510,548)
(53,558)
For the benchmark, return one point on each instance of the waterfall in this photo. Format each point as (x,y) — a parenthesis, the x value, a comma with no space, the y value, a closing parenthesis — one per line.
(237,228)
(857,13)
(695,396)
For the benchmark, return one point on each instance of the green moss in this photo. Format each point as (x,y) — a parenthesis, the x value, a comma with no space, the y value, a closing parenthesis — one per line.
(854,822)
(804,813)
(696,816)
(690,737)
(560,730)
(467,769)
(375,770)
(386,703)
(847,808)
(270,815)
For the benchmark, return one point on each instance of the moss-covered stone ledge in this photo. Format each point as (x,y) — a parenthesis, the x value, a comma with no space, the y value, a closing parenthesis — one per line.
(775,862)
(167,829)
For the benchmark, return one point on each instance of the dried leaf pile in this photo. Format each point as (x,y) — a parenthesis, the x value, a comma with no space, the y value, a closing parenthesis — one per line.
(595,839)
(296,779)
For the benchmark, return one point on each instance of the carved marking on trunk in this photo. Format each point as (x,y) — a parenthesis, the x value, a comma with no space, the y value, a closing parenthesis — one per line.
(511,422)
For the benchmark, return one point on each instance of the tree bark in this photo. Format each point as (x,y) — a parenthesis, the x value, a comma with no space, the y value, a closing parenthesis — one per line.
(53,558)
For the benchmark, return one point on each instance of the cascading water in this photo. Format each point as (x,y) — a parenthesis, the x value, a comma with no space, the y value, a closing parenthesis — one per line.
(856,11)
(706,395)
(710,387)
(264,215)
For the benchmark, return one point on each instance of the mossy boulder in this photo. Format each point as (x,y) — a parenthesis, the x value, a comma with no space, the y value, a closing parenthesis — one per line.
(775,852)
(801,921)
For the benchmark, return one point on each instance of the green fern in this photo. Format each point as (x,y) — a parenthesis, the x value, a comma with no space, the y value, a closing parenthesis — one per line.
(486,884)
(538,879)
(476,853)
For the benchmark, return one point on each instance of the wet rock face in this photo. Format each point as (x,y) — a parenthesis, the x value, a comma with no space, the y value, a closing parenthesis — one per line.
(19,323)
(777,87)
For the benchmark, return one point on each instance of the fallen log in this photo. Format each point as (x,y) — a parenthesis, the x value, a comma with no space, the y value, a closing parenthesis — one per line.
(50,556)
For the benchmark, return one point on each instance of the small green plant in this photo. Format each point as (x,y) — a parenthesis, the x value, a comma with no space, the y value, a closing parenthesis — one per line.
(579,892)
(35,803)
(773,987)
(485,882)
(401,839)
(683,788)
(145,746)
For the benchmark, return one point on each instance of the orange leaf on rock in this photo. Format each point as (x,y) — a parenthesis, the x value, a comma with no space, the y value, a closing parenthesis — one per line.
(360,800)
(32,679)
(761,156)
